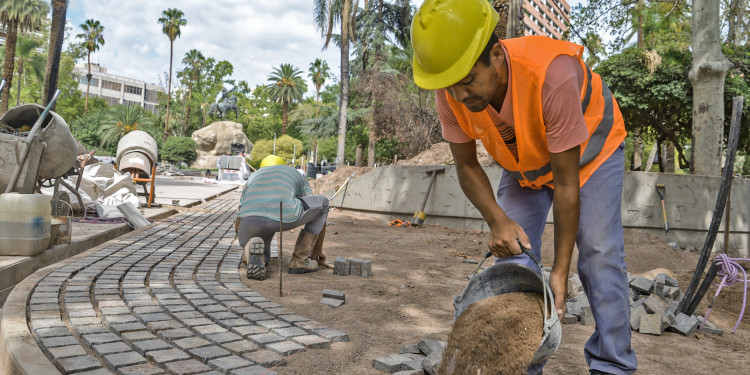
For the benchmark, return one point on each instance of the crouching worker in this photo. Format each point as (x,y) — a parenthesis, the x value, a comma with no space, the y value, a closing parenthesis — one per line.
(258,218)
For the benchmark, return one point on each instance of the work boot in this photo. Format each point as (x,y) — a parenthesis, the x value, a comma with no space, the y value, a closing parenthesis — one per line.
(256,264)
(301,262)
(317,254)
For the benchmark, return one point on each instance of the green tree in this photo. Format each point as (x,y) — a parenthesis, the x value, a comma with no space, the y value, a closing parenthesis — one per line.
(120,120)
(92,40)
(260,115)
(287,86)
(25,51)
(193,60)
(328,15)
(17,16)
(54,51)
(179,149)
(171,21)
(286,147)
(318,73)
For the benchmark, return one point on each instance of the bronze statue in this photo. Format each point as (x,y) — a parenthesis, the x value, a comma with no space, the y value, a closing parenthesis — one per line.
(224,103)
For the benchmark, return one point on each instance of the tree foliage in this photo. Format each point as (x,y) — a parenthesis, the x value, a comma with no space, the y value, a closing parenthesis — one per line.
(286,146)
(286,87)
(179,149)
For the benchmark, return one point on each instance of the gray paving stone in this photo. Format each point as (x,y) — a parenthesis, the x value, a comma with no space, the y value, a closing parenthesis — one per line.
(174,334)
(84,321)
(178,308)
(266,305)
(332,334)
(52,332)
(265,338)
(141,369)
(241,346)
(391,363)
(209,329)
(285,348)
(99,371)
(290,332)
(94,328)
(654,305)
(248,330)
(66,351)
(147,309)
(335,303)
(651,324)
(112,347)
(234,322)
(119,319)
(312,341)
(188,315)
(78,363)
(155,317)
(168,324)
(228,363)
(117,360)
(167,355)
(335,294)
(207,353)
(190,366)
(253,370)
(99,338)
(82,313)
(211,308)
(642,284)
(310,325)
(292,319)
(429,346)
(190,343)
(264,357)
(127,327)
(115,310)
(635,317)
(272,324)
(355,267)
(276,311)
(131,337)
(149,345)
(246,310)
(255,317)
(366,268)
(409,349)
(196,321)
(684,325)
(222,337)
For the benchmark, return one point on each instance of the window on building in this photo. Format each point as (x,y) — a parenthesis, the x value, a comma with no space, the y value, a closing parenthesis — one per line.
(94,81)
(111,100)
(152,96)
(151,108)
(133,90)
(111,85)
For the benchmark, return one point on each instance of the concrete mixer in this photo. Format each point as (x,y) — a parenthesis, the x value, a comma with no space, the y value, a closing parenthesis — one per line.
(137,153)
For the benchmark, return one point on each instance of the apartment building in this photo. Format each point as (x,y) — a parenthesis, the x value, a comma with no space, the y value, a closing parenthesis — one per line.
(546,17)
(117,89)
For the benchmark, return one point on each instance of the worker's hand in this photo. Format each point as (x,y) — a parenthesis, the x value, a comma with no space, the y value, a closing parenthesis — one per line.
(505,238)
(558,282)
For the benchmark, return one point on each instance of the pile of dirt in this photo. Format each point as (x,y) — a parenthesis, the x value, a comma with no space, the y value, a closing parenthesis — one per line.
(497,335)
(329,183)
(440,154)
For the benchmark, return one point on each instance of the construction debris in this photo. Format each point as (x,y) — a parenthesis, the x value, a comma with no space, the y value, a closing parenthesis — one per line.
(422,358)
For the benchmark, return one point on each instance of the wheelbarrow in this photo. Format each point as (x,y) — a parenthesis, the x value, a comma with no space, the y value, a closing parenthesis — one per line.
(515,278)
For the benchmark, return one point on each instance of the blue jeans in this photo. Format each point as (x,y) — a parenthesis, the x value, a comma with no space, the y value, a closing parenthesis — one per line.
(601,257)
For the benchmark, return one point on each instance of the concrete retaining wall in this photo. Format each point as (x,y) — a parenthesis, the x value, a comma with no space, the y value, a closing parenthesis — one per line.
(397,192)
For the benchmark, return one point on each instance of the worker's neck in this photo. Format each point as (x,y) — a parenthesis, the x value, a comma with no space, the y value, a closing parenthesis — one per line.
(501,73)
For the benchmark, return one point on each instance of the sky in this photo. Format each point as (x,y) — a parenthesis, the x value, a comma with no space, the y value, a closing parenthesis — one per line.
(254,35)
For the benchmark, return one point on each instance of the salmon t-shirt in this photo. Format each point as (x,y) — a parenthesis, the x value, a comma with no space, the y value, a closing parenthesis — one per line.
(561,109)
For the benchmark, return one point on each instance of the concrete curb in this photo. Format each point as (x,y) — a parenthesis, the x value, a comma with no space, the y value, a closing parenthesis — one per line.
(19,352)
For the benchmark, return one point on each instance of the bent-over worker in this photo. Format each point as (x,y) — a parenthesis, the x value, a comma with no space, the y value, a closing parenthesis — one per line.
(258,218)
(555,128)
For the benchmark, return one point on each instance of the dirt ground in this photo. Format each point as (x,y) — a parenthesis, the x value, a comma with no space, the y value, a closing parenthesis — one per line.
(416,273)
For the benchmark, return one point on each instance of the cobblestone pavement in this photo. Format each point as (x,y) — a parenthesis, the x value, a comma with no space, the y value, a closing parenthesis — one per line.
(167,299)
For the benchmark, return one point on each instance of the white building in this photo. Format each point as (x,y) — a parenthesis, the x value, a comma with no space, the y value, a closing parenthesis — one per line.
(117,89)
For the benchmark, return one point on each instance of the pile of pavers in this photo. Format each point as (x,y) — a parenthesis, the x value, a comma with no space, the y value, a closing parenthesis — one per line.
(418,359)
(333,298)
(653,308)
(354,267)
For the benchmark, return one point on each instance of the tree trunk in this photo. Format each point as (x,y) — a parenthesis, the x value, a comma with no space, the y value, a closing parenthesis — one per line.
(344,96)
(283,119)
(56,38)
(88,83)
(636,160)
(734,17)
(641,37)
(371,149)
(8,64)
(707,73)
(515,19)
(190,95)
(169,89)
(651,156)
(18,85)
(668,157)
(358,156)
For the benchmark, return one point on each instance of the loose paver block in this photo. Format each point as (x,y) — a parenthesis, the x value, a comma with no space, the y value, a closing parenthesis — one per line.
(264,357)
(341,266)
(569,319)
(635,317)
(391,363)
(228,363)
(409,349)
(335,294)
(366,268)
(642,284)
(208,353)
(587,316)
(684,325)
(429,346)
(355,267)
(654,305)
(332,334)
(651,324)
(335,303)
(670,281)
(117,360)
(431,364)
(285,348)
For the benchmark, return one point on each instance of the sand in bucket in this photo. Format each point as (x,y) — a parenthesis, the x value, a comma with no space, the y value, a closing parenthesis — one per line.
(498,335)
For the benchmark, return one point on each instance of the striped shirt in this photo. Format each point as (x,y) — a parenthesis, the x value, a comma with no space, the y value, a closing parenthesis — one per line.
(270,185)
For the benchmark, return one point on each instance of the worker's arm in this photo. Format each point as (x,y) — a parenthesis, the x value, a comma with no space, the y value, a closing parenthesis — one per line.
(566,213)
(505,234)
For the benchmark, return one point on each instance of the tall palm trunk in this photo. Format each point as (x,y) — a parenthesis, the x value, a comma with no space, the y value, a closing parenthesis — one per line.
(190,95)
(88,84)
(344,100)
(20,76)
(56,37)
(10,56)
(283,120)
(169,89)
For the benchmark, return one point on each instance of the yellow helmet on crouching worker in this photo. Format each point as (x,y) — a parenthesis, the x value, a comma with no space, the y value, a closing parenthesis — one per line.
(447,37)
(272,160)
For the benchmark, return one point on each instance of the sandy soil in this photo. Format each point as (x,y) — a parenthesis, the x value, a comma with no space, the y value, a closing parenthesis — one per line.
(417,271)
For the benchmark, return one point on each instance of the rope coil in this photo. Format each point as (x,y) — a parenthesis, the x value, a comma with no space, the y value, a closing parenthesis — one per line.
(729,272)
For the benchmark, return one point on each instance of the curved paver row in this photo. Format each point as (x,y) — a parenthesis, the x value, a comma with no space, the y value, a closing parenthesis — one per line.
(167,299)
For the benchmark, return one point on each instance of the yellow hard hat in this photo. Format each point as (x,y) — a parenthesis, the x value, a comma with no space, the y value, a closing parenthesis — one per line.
(272,160)
(447,37)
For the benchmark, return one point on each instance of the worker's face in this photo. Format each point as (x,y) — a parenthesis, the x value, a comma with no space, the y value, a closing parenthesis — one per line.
(480,86)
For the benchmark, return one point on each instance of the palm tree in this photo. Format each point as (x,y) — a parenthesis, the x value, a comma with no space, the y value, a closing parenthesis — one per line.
(171,20)
(319,71)
(328,14)
(25,48)
(287,86)
(92,40)
(56,37)
(17,16)
(120,120)
(194,60)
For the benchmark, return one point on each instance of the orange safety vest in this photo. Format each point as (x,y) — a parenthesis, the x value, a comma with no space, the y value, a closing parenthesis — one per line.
(529,59)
